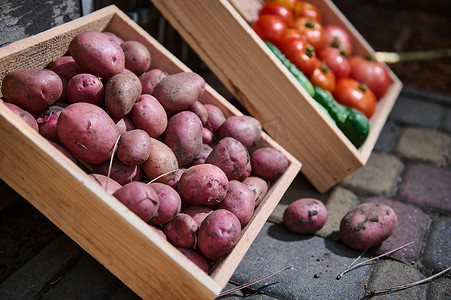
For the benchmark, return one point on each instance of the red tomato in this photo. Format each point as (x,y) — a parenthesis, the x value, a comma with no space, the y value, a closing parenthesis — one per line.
(338,37)
(293,33)
(270,28)
(336,61)
(349,92)
(287,3)
(307,9)
(312,30)
(323,77)
(272,8)
(301,54)
(372,73)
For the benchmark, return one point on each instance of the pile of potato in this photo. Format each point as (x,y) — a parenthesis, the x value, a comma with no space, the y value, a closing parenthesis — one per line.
(183,167)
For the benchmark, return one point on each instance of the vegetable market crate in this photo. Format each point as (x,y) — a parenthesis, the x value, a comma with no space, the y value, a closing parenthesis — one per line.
(219,31)
(97,221)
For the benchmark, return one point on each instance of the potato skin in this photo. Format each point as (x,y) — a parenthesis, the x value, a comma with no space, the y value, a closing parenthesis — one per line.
(258,186)
(87,131)
(33,90)
(24,115)
(161,160)
(97,53)
(218,234)
(305,216)
(109,184)
(85,87)
(140,198)
(181,231)
(121,92)
(196,258)
(150,79)
(134,147)
(137,56)
(198,212)
(184,136)
(367,225)
(240,201)
(148,114)
(245,129)
(204,184)
(268,163)
(119,171)
(170,203)
(179,91)
(231,156)
(215,118)
(65,66)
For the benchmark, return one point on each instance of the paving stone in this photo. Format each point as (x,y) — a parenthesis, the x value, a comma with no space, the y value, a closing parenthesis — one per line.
(391,273)
(124,293)
(33,278)
(302,188)
(316,263)
(439,289)
(388,137)
(435,146)
(411,111)
(446,124)
(411,227)
(379,176)
(428,186)
(87,277)
(340,202)
(277,214)
(437,255)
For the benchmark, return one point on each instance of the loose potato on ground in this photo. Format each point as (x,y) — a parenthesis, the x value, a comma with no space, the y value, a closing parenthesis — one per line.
(161,161)
(150,79)
(367,225)
(97,53)
(24,115)
(140,198)
(149,115)
(268,163)
(240,201)
(184,136)
(65,66)
(181,231)
(134,147)
(87,131)
(170,203)
(258,186)
(196,258)
(230,156)
(204,184)
(305,216)
(119,171)
(245,129)
(215,118)
(33,90)
(109,184)
(85,87)
(218,234)
(179,91)
(137,56)
(121,93)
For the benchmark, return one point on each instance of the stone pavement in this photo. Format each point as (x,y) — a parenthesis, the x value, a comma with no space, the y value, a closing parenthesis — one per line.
(408,170)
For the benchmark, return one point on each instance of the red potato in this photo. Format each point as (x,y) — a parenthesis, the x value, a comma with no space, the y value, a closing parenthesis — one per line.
(247,172)
(170,203)
(97,53)
(47,121)
(181,231)
(230,156)
(134,147)
(179,91)
(196,258)
(140,198)
(65,66)
(175,180)
(119,171)
(64,151)
(114,37)
(137,56)
(24,115)
(218,234)
(305,216)
(150,79)
(135,78)
(161,161)
(85,87)
(207,136)
(200,159)
(258,186)
(158,231)
(204,184)
(200,110)
(121,92)
(184,136)
(124,124)
(87,131)
(149,115)
(367,225)
(215,118)
(268,163)
(240,201)
(110,185)
(33,90)
(245,129)
(198,212)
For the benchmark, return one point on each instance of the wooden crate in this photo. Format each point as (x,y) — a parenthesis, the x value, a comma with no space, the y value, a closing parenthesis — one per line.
(219,31)
(75,203)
